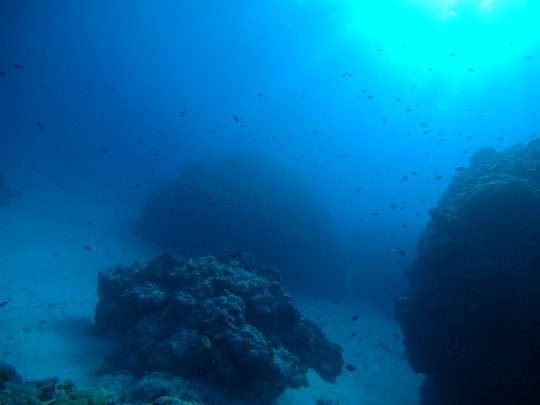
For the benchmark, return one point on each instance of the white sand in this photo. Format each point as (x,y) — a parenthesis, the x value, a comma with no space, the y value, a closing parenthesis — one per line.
(49,281)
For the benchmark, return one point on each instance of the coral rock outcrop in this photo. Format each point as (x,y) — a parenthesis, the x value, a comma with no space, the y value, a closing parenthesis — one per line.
(223,320)
(471,320)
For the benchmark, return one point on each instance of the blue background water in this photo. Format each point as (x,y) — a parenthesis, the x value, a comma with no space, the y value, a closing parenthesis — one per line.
(128,92)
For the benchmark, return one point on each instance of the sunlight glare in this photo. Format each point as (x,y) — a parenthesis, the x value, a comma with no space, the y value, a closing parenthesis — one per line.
(480,33)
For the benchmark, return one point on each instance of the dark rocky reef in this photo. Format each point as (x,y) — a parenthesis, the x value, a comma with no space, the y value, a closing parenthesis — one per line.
(225,321)
(253,204)
(471,321)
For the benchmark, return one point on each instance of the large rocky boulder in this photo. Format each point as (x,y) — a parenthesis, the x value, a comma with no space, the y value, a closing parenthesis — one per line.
(471,322)
(225,321)
(254,204)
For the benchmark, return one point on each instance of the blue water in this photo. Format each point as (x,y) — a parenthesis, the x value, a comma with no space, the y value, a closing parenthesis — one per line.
(119,96)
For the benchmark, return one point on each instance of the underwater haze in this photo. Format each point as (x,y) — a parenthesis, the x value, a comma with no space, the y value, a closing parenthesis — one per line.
(126,129)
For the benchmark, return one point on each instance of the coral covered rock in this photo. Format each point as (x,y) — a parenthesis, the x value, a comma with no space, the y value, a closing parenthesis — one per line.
(50,391)
(222,320)
(470,322)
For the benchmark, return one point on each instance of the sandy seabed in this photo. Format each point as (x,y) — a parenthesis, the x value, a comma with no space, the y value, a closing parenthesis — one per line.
(55,238)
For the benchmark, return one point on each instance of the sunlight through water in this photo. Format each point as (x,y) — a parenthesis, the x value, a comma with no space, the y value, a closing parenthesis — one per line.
(477,35)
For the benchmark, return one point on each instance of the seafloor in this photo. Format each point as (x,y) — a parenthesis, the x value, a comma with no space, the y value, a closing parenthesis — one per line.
(55,239)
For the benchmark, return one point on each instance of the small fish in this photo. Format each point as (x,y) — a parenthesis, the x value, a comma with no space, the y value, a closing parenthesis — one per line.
(398,99)
(344,74)
(103,150)
(369,97)
(387,317)
(400,252)
(260,95)
(350,367)
(528,57)
(452,54)
(407,110)
(426,132)
(2,73)
(404,178)
(438,178)
(354,318)
(459,168)
(102,114)
(4,303)
(235,118)
(363,91)
(18,66)
(206,342)
(413,172)
(353,335)
(470,69)
(532,135)
(395,335)
(88,248)
(375,213)
(430,69)
(40,125)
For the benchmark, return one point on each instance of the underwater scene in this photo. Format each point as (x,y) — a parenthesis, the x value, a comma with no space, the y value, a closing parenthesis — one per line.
(275,202)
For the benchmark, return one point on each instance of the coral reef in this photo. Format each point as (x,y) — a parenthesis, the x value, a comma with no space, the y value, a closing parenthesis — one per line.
(50,391)
(222,320)
(153,389)
(157,388)
(253,204)
(470,322)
